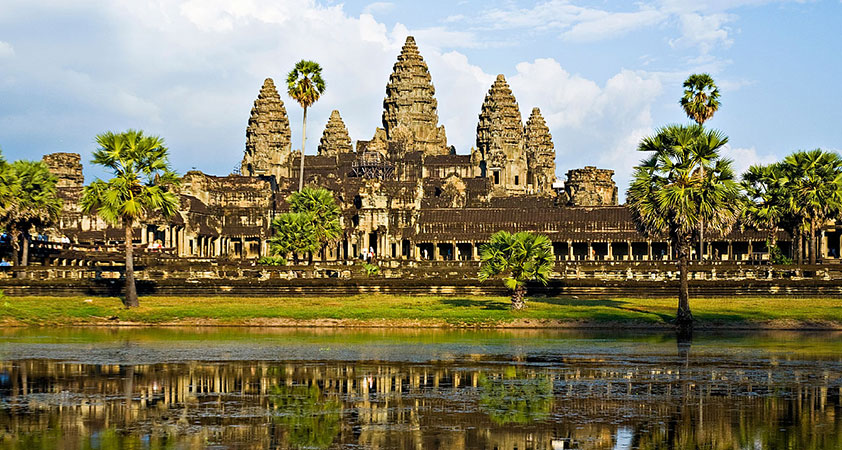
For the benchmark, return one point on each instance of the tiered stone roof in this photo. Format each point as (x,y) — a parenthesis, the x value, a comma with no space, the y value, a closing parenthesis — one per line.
(540,152)
(335,139)
(409,109)
(267,134)
(500,128)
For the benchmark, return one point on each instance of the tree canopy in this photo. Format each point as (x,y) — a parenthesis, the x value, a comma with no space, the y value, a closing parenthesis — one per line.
(518,258)
(701,97)
(36,202)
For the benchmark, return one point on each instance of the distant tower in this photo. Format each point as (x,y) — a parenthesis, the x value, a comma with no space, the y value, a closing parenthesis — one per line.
(409,109)
(540,154)
(267,135)
(500,140)
(335,139)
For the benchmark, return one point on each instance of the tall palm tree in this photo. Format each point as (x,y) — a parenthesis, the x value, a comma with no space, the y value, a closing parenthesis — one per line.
(37,204)
(668,197)
(766,199)
(143,182)
(319,202)
(9,186)
(520,258)
(305,85)
(815,179)
(700,101)
(701,97)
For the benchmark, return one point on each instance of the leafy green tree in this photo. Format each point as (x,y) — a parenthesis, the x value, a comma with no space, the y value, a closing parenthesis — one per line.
(37,204)
(669,197)
(769,198)
(294,233)
(519,258)
(815,181)
(305,85)
(8,185)
(319,202)
(700,101)
(701,97)
(143,183)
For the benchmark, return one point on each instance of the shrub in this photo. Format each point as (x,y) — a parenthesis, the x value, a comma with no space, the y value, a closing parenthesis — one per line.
(371,270)
(272,261)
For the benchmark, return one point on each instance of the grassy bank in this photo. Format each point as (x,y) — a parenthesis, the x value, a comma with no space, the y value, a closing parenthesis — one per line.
(383,310)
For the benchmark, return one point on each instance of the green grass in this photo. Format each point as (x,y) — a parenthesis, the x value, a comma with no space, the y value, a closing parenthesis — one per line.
(434,310)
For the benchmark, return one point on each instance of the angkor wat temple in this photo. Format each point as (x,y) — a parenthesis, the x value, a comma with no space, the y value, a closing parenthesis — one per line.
(405,192)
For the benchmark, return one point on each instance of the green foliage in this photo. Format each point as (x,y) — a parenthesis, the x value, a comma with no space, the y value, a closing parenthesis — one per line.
(35,204)
(272,261)
(776,256)
(294,233)
(143,181)
(670,194)
(519,258)
(371,270)
(311,224)
(305,84)
(311,419)
(767,198)
(9,186)
(701,97)
(513,398)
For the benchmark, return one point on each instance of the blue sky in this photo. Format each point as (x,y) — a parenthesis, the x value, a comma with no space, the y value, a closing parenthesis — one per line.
(603,73)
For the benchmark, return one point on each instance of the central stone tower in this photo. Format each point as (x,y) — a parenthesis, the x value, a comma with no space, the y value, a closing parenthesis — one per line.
(409,109)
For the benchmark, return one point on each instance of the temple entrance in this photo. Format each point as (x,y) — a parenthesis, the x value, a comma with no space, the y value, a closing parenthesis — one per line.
(372,243)
(445,251)
(425,251)
(834,242)
(464,252)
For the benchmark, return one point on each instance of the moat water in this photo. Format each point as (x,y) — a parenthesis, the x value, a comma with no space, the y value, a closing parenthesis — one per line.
(417,389)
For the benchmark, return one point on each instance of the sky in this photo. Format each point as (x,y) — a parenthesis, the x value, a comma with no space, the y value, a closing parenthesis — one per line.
(604,73)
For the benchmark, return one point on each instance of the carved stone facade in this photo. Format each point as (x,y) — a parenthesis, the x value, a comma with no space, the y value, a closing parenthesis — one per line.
(404,193)
(335,139)
(409,109)
(267,135)
(590,187)
(540,154)
(67,167)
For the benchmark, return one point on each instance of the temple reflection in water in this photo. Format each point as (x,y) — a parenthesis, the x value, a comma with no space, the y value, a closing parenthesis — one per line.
(581,404)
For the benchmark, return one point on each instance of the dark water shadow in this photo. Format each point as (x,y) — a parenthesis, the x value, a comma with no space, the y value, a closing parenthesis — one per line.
(616,304)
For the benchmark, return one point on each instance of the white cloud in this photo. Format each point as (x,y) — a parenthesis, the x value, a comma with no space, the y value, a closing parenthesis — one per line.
(6,50)
(378,7)
(704,31)
(607,25)
(744,157)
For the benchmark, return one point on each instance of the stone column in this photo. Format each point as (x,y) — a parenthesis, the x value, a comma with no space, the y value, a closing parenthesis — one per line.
(823,246)
(649,249)
(730,250)
(610,251)
(435,255)
(167,237)
(629,245)
(570,250)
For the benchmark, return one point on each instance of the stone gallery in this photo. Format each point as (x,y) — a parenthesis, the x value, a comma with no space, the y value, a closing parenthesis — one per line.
(404,193)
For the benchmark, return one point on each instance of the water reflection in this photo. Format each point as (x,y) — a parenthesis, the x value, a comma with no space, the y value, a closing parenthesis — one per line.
(587,394)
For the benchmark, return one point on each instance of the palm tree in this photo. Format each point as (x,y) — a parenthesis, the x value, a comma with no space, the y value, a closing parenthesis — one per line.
(520,258)
(8,185)
(668,197)
(767,199)
(700,101)
(37,204)
(295,233)
(143,182)
(701,97)
(815,180)
(319,202)
(305,85)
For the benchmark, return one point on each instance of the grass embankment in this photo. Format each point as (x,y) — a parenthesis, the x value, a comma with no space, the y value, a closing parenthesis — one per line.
(431,311)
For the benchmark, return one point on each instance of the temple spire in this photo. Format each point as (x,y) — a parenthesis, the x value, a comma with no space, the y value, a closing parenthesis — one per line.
(500,139)
(267,134)
(335,139)
(409,109)
(540,154)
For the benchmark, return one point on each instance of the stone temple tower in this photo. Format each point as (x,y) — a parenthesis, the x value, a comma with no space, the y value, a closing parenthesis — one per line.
(500,140)
(409,109)
(540,154)
(267,135)
(335,139)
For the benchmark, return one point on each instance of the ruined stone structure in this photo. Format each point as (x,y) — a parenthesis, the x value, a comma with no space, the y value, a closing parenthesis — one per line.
(267,135)
(67,167)
(590,187)
(404,193)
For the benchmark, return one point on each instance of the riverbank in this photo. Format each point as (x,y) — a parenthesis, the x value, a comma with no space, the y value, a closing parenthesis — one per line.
(394,311)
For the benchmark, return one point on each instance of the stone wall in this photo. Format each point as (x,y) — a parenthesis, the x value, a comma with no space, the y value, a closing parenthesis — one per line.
(590,187)
(67,167)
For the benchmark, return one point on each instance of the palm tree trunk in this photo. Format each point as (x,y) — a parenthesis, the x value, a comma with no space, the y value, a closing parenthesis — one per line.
(15,241)
(303,142)
(130,301)
(812,242)
(517,297)
(683,317)
(799,245)
(24,259)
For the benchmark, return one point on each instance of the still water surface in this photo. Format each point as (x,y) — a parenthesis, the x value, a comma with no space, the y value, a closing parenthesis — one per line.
(282,388)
